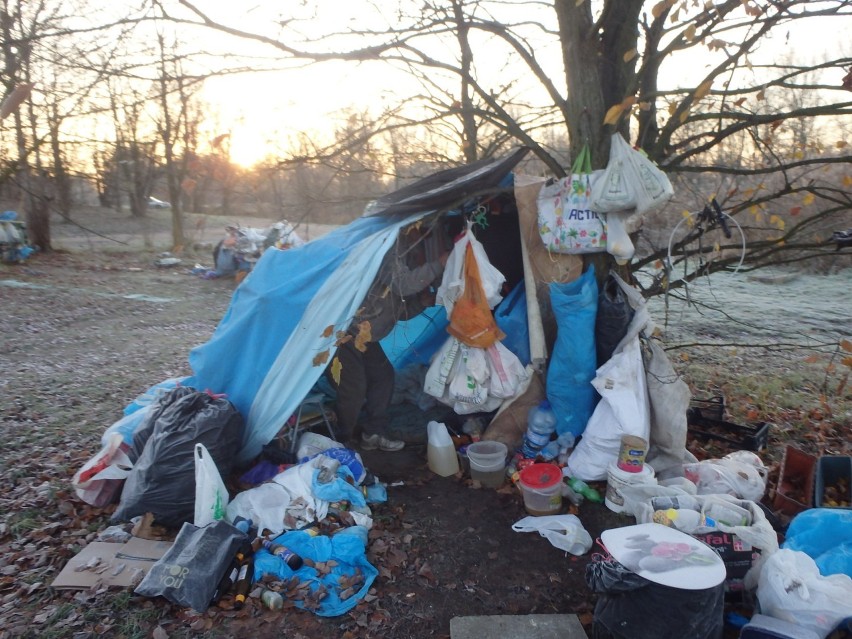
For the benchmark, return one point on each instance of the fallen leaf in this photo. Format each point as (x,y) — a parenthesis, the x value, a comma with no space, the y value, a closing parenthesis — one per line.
(329,331)
(321,358)
(159,633)
(336,367)
(364,336)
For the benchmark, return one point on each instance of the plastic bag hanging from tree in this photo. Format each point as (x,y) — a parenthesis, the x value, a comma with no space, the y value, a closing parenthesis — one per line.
(471,321)
(567,221)
(614,190)
(453,280)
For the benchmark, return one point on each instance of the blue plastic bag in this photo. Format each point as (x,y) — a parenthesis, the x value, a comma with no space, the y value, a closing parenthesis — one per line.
(344,584)
(574,360)
(511,317)
(825,535)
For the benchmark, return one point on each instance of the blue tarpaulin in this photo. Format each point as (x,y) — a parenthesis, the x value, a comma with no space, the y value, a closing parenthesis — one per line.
(274,342)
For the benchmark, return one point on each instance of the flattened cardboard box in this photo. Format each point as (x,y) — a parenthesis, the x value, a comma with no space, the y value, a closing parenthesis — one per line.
(120,565)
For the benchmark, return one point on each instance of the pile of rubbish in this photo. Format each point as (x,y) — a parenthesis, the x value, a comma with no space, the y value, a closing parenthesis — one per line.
(242,246)
(14,245)
(297,527)
(606,425)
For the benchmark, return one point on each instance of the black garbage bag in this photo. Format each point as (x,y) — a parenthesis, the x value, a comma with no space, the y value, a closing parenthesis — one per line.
(612,319)
(631,607)
(164,403)
(162,480)
(189,572)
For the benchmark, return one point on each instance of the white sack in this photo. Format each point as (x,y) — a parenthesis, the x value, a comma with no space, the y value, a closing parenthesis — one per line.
(622,410)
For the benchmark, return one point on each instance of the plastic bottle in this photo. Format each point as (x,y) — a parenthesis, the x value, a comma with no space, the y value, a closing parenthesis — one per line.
(272,599)
(581,487)
(541,424)
(287,556)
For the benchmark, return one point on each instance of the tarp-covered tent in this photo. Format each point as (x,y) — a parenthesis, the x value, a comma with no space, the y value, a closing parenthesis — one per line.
(270,347)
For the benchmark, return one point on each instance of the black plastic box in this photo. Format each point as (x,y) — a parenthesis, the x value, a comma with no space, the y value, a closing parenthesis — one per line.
(710,408)
(752,437)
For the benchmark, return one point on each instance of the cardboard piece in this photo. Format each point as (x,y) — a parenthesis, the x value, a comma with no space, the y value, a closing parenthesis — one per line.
(118,565)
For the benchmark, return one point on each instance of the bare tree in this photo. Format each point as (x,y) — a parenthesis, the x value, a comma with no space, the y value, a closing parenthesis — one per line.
(614,56)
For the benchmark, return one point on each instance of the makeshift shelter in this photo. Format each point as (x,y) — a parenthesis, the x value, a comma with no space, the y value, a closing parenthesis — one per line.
(272,344)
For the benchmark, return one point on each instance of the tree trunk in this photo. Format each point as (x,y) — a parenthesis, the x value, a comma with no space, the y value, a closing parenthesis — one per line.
(580,53)
(37,207)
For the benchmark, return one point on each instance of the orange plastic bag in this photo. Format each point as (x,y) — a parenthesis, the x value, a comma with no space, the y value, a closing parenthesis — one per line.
(471,321)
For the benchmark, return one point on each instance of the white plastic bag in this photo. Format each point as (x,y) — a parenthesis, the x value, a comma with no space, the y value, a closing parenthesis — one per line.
(612,191)
(100,479)
(565,532)
(630,180)
(506,373)
(265,505)
(311,444)
(211,496)
(622,410)
(452,282)
(651,186)
(467,385)
(791,588)
(618,242)
(737,475)
(567,221)
(440,370)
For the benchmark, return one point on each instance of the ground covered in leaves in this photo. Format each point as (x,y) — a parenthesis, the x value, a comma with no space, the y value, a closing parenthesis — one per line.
(85,333)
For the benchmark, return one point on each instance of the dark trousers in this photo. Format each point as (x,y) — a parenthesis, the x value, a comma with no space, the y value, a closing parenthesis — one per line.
(366,382)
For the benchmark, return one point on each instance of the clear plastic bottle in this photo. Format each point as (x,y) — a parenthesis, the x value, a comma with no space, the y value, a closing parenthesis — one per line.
(541,424)
(272,600)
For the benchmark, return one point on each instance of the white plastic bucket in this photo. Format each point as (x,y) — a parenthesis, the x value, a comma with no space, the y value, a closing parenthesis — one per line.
(488,462)
(617,479)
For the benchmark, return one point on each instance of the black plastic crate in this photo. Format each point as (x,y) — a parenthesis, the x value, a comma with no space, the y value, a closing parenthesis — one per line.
(711,408)
(752,437)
